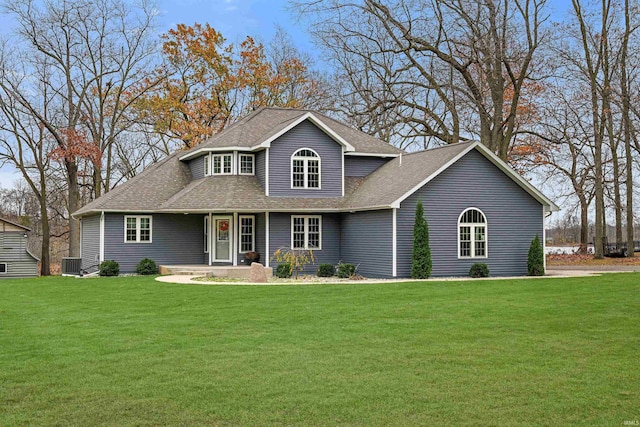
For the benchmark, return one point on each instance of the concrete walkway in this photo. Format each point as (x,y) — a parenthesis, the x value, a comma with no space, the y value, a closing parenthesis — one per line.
(552,272)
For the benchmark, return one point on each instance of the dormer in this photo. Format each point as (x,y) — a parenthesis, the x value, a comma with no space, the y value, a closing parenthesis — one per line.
(292,153)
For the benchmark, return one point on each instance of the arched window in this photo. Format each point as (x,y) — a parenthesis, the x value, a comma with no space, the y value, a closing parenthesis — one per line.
(472,234)
(305,169)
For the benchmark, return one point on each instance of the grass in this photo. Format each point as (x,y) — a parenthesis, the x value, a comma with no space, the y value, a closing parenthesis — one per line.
(132,351)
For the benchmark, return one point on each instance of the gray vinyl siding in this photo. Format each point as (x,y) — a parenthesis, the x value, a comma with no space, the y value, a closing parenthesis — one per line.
(513,219)
(197,167)
(13,252)
(259,237)
(280,236)
(305,135)
(367,242)
(260,166)
(176,239)
(90,243)
(359,166)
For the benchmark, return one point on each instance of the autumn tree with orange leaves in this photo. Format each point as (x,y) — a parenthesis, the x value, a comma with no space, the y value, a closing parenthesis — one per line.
(207,83)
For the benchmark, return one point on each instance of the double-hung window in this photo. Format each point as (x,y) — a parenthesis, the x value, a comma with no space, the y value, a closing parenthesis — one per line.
(3,268)
(472,234)
(222,164)
(246,164)
(305,169)
(306,232)
(247,235)
(137,229)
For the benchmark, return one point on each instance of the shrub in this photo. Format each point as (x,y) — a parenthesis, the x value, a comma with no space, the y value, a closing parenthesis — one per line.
(297,259)
(421,258)
(326,270)
(346,270)
(147,266)
(535,261)
(109,268)
(284,270)
(479,269)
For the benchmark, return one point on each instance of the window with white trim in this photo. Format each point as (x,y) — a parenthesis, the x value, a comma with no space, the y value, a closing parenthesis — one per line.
(247,162)
(207,164)
(222,164)
(472,234)
(305,169)
(247,234)
(137,229)
(3,268)
(306,232)
(206,234)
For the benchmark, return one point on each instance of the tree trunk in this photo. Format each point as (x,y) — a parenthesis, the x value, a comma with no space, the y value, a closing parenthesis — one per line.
(74,205)
(45,258)
(617,198)
(627,127)
(584,222)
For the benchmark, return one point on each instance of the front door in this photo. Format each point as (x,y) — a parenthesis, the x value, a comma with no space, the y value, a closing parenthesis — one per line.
(222,235)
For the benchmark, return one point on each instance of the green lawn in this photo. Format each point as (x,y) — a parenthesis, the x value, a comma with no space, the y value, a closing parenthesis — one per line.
(132,351)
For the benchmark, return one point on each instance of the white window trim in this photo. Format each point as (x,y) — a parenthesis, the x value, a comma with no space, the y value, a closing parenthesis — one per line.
(253,232)
(306,169)
(253,163)
(207,230)
(221,156)
(306,232)
(6,267)
(473,225)
(207,165)
(138,217)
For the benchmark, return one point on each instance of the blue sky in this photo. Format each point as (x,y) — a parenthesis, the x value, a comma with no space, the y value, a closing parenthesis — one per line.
(235,19)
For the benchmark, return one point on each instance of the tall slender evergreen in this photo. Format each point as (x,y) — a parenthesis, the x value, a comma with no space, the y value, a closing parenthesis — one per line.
(535,261)
(421,260)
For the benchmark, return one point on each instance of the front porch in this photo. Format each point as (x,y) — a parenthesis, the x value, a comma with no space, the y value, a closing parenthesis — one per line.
(234,272)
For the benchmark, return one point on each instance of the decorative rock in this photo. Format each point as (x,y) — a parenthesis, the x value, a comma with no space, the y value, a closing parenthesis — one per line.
(257,273)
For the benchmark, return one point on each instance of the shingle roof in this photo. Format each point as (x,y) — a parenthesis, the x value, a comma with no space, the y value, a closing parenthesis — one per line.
(237,193)
(265,122)
(15,224)
(400,175)
(167,186)
(146,191)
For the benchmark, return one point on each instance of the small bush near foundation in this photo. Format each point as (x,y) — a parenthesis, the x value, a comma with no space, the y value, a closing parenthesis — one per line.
(346,270)
(109,268)
(326,270)
(147,266)
(479,269)
(283,271)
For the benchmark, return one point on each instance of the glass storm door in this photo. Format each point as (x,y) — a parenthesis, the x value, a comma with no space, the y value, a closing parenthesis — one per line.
(222,235)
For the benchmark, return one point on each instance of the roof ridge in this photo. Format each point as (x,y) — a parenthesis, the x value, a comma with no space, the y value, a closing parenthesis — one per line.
(427,150)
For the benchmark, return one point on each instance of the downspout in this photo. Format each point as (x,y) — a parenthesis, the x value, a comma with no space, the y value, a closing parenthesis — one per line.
(394,244)
(101,256)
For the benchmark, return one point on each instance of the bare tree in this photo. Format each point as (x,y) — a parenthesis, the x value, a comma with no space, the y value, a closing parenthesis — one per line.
(24,142)
(440,70)
(96,52)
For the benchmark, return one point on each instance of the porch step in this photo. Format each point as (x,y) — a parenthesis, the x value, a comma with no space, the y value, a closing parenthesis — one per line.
(234,272)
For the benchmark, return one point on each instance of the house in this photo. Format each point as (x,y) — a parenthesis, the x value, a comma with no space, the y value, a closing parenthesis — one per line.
(15,258)
(297,178)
